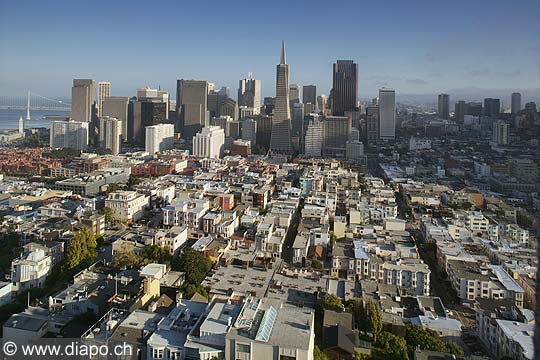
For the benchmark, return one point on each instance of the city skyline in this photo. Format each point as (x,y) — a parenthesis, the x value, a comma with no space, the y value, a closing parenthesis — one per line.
(441,61)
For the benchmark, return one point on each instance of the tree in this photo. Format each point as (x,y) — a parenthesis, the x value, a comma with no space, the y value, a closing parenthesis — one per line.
(125,257)
(425,339)
(318,354)
(316,264)
(189,289)
(374,317)
(332,302)
(155,254)
(389,346)
(82,249)
(194,263)
(109,215)
(133,181)
(356,307)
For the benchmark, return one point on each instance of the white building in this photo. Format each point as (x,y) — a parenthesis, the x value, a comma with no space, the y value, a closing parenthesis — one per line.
(127,206)
(313,139)
(110,134)
(387,113)
(159,138)
(69,134)
(419,144)
(354,150)
(30,270)
(500,133)
(209,142)
(104,90)
(185,212)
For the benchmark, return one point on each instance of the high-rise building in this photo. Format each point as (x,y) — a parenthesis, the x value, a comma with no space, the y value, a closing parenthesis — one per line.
(83,97)
(104,90)
(249,131)
(372,124)
(321,103)
(228,107)
(500,133)
(159,138)
(354,150)
(444,106)
(209,142)
(223,122)
(249,93)
(492,107)
(294,94)
(69,134)
(460,108)
(269,105)
(337,130)
(313,141)
(516,102)
(344,87)
(309,94)
(191,106)
(110,134)
(474,109)
(264,131)
(146,111)
(387,114)
(280,141)
(117,107)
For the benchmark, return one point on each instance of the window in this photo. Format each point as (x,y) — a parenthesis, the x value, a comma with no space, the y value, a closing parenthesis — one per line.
(243,348)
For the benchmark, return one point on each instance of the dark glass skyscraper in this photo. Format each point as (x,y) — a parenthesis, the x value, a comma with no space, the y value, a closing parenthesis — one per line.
(444,106)
(492,107)
(280,141)
(345,87)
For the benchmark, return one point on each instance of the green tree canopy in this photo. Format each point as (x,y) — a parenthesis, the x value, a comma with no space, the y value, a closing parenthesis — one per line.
(194,263)
(389,346)
(332,302)
(427,339)
(82,249)
(125,257)
(374,317)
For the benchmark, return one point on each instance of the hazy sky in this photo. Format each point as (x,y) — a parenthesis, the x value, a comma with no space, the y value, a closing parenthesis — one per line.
(417,47)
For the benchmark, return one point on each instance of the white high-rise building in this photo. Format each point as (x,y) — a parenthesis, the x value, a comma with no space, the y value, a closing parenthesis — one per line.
(83,97)
(110,134)
(209,142)
(69,134)
(249,94)
(104,90)
(314,138)
(159,138)
(387,113)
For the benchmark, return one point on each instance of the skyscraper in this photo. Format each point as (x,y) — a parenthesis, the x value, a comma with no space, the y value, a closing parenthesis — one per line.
(459,111)
(104,90)
(191,106)
(344,87)
(294,93)
(110,134)
(249,93)
(159,138)
(444,106)
(372,124)
(146,110)
(83,97)
(209,143)
(337,130)
(492,107)
(516,102)
(387,114)
(500,133)
(321,103)
(309,94)
(314,137)
(117,107)
(280,140)
(69,134)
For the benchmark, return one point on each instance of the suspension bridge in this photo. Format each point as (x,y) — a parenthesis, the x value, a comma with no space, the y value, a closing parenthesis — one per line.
(33,102)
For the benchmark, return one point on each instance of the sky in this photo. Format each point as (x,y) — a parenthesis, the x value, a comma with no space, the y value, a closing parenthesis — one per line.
(414,46)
